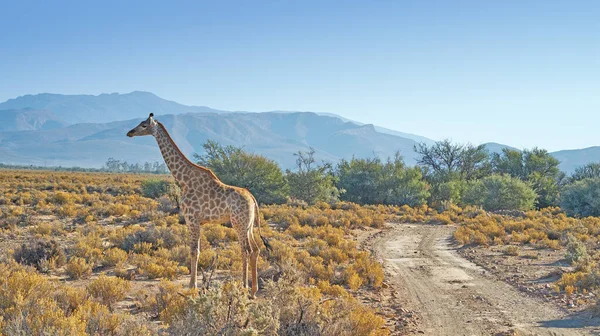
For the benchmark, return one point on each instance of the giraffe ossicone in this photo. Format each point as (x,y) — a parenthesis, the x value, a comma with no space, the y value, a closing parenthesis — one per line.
(205,199)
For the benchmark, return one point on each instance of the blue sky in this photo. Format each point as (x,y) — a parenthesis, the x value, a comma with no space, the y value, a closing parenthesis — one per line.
(522,73)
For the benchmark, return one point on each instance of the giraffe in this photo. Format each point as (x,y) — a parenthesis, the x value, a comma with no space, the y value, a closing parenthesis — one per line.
(204,199)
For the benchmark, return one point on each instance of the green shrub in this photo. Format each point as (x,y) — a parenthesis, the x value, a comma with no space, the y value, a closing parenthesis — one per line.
(500,192)
(154,188)
(576,250)
(582,198)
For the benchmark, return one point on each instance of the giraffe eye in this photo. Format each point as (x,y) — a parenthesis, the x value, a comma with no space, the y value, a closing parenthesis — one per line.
(143,126)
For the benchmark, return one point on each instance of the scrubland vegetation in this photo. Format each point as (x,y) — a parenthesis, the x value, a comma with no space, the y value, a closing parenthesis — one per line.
(513,198)
(91,253)
(101,253)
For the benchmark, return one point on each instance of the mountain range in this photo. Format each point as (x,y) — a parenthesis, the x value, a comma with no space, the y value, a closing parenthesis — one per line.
(85,130)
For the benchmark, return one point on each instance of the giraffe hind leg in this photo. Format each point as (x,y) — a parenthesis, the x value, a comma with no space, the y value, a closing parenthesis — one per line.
(244,249)
(253,268)
(245,265)
(241,223)
(254,253)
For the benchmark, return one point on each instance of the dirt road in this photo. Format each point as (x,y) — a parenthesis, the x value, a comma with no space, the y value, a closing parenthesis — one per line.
(456,297)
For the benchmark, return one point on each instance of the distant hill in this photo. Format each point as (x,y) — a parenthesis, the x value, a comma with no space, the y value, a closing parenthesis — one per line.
(28,119)
(111,107)
(85,130)
(275,135)
(573,158)
(101,108)
(380,129)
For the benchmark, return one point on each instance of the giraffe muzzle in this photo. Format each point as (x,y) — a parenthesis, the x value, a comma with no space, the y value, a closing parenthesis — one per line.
(130,134)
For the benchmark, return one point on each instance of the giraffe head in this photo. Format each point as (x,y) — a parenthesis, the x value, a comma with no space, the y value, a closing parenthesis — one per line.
(146,127)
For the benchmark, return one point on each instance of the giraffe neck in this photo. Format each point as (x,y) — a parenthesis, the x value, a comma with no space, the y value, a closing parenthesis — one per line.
(179,165)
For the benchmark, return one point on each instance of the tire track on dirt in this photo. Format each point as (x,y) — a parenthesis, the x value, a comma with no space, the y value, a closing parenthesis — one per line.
(456,297)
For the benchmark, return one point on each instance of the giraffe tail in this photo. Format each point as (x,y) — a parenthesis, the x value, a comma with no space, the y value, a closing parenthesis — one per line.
(257,223)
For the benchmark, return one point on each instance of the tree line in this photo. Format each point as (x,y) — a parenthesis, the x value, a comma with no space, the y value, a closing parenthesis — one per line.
(122,166)
(49,168)
(446,174)
(112,165)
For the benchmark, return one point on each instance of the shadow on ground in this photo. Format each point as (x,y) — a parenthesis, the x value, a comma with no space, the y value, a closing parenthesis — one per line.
(578,320)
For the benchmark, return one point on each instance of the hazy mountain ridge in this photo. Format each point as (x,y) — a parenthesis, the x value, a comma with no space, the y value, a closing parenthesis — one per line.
(106,107)
(380,129)
(572,158)
(101,108)
(28,119)
(80,130)
(273,134)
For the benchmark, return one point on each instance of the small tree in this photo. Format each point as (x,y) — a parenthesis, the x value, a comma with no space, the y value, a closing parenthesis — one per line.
(582,198)
(234,166)
(448,192)
(371,181)
(448,166)
(311,182)
(453,161)
(402,185)
(360,179)
(535,166)
(500,192)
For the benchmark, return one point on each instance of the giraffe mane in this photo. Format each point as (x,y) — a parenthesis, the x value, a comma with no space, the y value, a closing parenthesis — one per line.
(210,172)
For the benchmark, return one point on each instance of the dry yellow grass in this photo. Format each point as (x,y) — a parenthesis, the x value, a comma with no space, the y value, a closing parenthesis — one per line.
(110,232)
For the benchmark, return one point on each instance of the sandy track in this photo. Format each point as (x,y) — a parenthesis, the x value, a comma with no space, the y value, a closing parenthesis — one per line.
(456,297)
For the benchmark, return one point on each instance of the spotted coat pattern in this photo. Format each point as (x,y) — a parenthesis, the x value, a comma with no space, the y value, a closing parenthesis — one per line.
(206,199)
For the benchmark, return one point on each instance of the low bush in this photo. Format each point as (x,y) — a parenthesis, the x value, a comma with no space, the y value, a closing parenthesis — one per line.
(576,250)
(28,307)
(154,188)
(108,290)
(114,256)
(100,320)
(155,236)
(78,268)
(40,253)
(512,250)
(155,268)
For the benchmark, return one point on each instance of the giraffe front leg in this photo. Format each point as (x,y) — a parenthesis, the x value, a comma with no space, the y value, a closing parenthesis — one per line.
(194,253)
